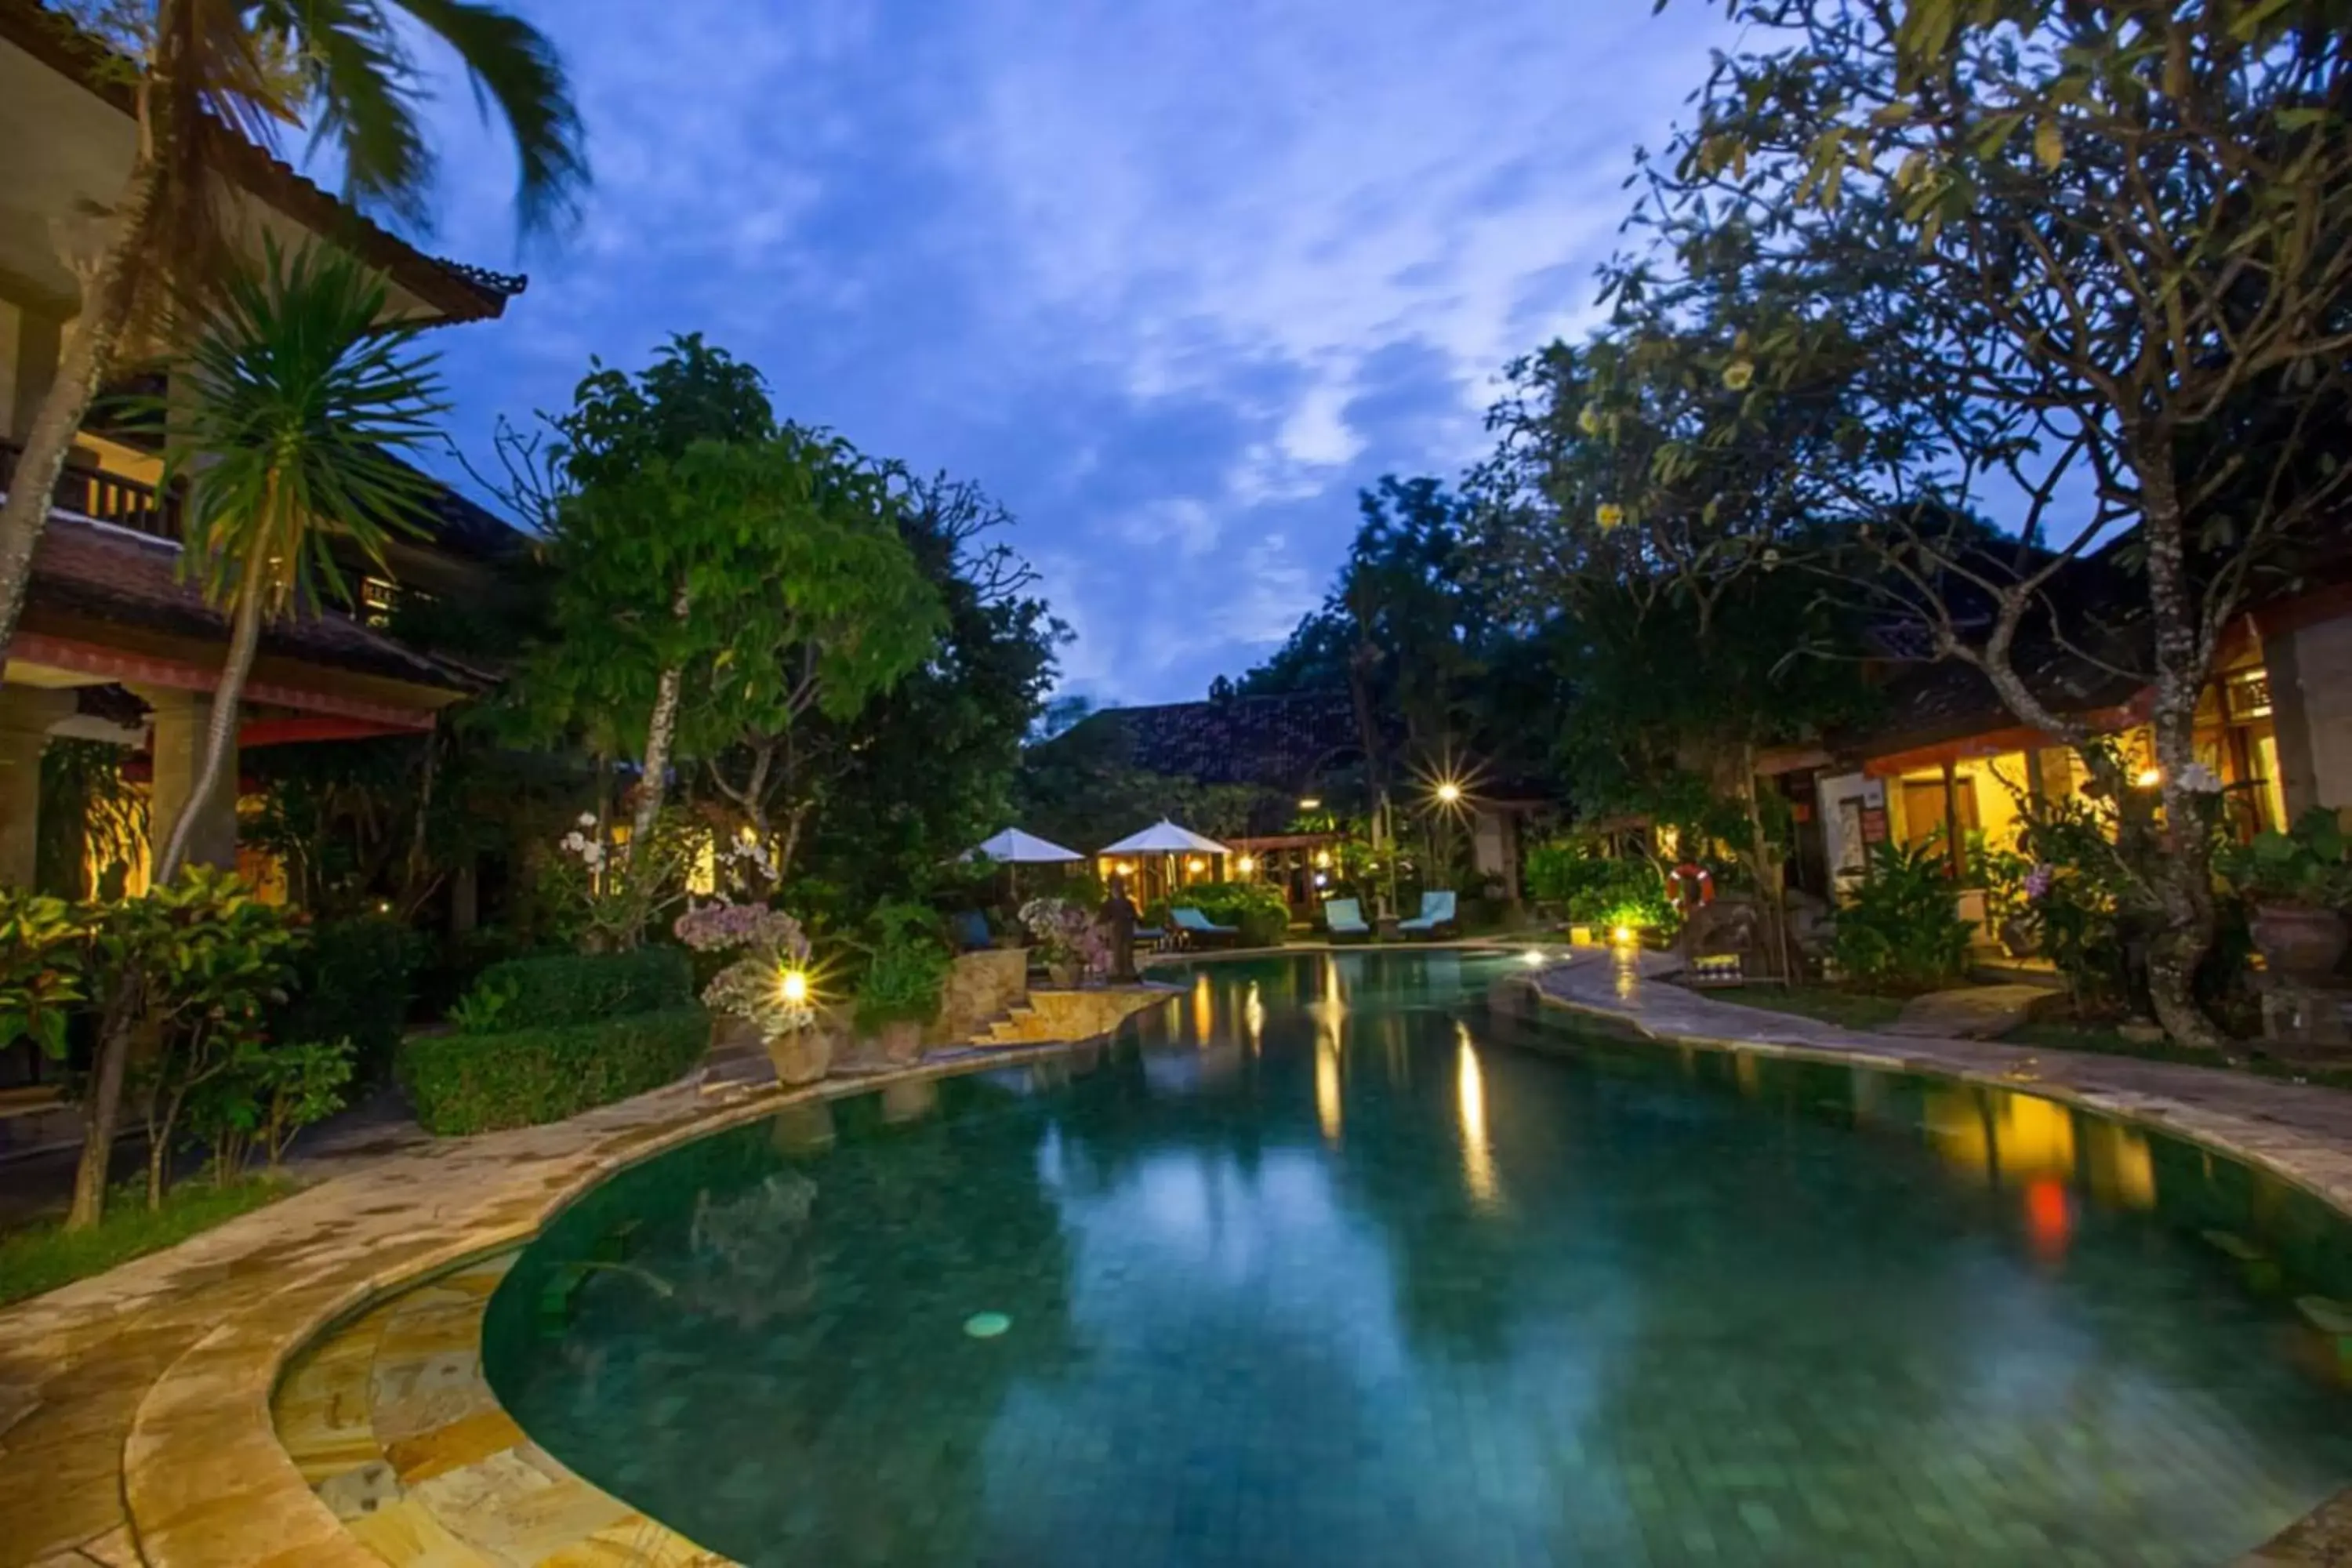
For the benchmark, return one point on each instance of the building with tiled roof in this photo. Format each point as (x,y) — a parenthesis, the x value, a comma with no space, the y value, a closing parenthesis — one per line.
(115,643)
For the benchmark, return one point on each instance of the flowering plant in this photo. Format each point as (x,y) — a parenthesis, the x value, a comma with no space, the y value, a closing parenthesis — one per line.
(610,889)
(766,985)
(1066,933)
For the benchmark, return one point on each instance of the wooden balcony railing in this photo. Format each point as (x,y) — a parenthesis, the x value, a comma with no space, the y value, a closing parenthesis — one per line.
(108,498)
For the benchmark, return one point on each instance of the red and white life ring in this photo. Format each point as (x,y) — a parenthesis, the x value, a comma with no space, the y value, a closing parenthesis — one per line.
(1694,884)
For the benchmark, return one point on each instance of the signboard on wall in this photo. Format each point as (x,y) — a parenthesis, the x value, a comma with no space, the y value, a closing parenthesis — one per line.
(1874,825)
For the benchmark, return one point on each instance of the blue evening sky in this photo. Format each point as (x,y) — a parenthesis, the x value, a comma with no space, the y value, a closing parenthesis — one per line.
(1172,279)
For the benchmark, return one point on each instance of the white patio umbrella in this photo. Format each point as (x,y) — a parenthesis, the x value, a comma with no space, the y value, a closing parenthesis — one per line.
(1170,840)
(1015,848)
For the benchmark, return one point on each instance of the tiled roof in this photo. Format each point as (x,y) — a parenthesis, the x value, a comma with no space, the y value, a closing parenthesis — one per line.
(101,573)
(461,292)
(1278,742)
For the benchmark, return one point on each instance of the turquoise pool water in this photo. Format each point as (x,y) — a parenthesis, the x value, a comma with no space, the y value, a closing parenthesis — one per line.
(1332,1266)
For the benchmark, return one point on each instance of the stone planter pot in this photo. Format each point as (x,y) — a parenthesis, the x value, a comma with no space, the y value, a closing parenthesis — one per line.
(801,1055)
(2298,941)
(901,1043)
(2019,936)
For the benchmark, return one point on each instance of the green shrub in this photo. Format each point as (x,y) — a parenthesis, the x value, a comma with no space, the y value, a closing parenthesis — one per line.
(578,988)
(906,966)
(1589,888)
(478,1083)
(354,982)
(1904,926)
(1257,907)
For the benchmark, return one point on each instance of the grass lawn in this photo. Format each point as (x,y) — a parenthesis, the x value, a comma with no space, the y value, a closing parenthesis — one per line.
(42,1256)
(1828,1003)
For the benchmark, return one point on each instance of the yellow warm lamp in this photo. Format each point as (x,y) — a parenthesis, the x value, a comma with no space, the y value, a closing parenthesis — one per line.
(1323,858)
(794,985)
(1448,793)
(1622,935)
(2150,778)
(1246,865)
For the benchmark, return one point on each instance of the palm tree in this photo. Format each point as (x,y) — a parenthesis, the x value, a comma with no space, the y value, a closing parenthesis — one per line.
(209,71)
(285,418)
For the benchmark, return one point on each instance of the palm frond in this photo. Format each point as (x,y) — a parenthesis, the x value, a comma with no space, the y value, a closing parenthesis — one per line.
(287,420)
(511,64)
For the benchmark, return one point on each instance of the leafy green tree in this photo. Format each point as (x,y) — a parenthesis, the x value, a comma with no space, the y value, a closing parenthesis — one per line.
(2099,249)
(926,770)
(205,79)
(629,549)
(824,608)
(288,412)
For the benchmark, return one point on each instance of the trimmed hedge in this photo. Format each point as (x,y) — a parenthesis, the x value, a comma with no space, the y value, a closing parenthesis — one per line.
(590,987)
(479,1083)
(354,981)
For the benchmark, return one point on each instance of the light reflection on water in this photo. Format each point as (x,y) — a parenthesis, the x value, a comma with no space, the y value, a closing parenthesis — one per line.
(1331,1266)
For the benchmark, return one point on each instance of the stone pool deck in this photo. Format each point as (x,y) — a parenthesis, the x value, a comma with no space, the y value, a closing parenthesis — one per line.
(135,1407)
(2302,1134)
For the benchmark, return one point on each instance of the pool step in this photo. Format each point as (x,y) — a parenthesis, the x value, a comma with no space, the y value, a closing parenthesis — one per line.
(1019,1025)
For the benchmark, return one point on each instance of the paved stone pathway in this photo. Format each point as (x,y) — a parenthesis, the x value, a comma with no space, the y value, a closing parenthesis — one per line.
(1968,1012)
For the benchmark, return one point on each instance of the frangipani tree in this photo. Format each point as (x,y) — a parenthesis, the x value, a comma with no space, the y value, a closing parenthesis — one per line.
(204,73)
(2090,261)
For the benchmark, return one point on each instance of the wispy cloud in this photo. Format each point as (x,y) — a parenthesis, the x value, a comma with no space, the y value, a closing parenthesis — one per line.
(1173,277)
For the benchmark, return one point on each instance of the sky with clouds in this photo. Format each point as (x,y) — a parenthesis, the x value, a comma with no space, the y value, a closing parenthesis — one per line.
(1172,279)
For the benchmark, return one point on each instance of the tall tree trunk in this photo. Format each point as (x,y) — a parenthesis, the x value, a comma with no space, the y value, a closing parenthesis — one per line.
(220,729)
(2179,873)
(108,293)
(105,1102)
(121,1016)
(658,732)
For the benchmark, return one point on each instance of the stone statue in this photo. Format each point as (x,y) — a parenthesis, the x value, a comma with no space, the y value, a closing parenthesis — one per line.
(1118,915)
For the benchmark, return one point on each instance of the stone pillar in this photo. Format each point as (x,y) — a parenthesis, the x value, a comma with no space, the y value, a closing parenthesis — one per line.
(178,746)
(26,715)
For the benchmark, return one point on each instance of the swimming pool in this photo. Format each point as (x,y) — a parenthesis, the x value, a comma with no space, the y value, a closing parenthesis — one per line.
(1332,1265)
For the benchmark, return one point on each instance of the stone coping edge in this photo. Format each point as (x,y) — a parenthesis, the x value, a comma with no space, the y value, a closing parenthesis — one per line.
(2322,1538)
(206,1482)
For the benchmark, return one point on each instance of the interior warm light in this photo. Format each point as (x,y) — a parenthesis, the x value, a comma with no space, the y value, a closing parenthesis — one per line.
(1448,793)
(1308,803)
(1195,864)
(2150,778)
(1246,865)
(1323,859)
(795,986)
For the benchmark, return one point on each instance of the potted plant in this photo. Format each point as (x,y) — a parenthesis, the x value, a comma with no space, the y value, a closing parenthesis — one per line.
(767,988)
(905,974)
(2296,882)
(1068,939)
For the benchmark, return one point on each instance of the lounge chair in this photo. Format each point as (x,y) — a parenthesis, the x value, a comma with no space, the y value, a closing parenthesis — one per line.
(1437,910)
(1345,917)
(1197,929)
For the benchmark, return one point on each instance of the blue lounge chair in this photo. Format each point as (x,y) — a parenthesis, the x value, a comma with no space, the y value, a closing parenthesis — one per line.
(1437,910)
(1197,929)
(969,928)
(1345,917)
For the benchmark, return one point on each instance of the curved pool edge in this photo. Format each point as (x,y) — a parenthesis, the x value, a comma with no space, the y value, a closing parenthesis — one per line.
(206,1480)
(2284,1129)
(209,1482)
